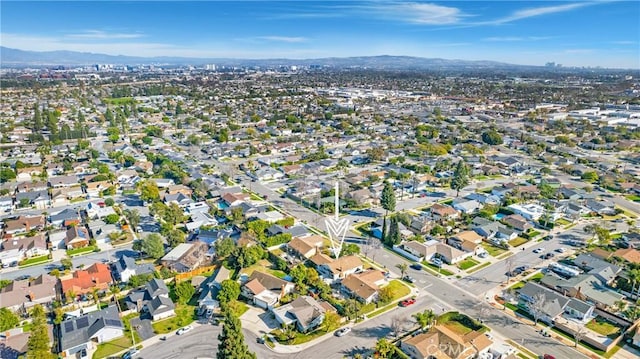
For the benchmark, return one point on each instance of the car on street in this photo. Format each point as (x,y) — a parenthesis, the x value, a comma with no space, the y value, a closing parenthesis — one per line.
(538,250)
(548,255)
(130,354)
(548,356)
(184,330)
(548,238)
(342,332)
(416,266)
(407,302)
(408,279)
(561,250)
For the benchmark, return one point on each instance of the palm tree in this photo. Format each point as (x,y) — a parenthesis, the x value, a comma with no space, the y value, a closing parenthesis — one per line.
(634,277)
(425,319)
(114,290)
(384,348)
(94,294)
(403,268)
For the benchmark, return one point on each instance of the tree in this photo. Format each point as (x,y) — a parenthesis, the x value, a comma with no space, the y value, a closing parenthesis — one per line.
(460,177)
(112,218)
(331,321)
(148,190)
(38,342)
(225,247)
(537,306)
(393,237)
(175,237)
(133,216)
(388,202)
(384,348)
(299,274)
(349,249)
(397,325)
(590,176)
(113,134)
(8,319)
(232,345)
(173,214)
(425,318)
(492,137)
(229,292)
(184,291)
(578,334)
(385,294)
(351,308)
(403,268)
(153,246)
(634,277)
(66,263)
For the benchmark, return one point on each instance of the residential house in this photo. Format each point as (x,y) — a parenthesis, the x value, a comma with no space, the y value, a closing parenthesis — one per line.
(97,210)
(604,270)
(601,206)
(531,211)
(27,246)
(305,247)
(83,281)
(36,199)
(178,198)
(420,225)
(77,237)
(362,197)
(29,292)
(94,189)
(630,240)
(304,312)
(65,218)
(208,290)
(466,206)
(586,287)
(32,186)
(153,299)
(517,222)
(294,231)
(441,212)
(265,290)
(6,204)
(468,241)
(163,182)
(442,342)
(79,335)
(483,198)
(199,219)
(364,286)
(23,224)
(186,256)
(630,255)
(234,199)
(503,190)
(550,304)
(63,181)
(59,198)
(377,226)
(269,216)
(125,267)
(180,188)
(338,268)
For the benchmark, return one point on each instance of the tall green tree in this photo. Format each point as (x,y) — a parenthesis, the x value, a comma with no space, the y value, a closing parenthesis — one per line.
(460,177)
(153,246)
(425,318)
(38,342)
(184,291)
(8,319)
(229,292)
(388,202)
(232,345)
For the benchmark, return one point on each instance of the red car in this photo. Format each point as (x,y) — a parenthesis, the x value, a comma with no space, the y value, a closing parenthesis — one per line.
(548,356)
(407,302)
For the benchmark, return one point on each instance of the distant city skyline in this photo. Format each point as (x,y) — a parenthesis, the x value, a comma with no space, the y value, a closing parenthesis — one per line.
(585,33)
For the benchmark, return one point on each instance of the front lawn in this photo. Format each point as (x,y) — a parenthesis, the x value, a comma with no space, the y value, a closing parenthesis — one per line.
(77,251)
(603,327)
(107,349)
(399,289)
(460,323)
(518,241)
(434,267)
(299,338)
(633,197)
(562,222)
(185,315)
(492,250)
(467,263)
(34,260)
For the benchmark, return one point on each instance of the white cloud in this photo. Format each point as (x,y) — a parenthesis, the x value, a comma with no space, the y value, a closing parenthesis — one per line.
(515,38)
(417,13)
(98,34)
(538,11)
(287,39)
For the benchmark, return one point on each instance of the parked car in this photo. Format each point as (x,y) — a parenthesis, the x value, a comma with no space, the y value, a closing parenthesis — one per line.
(130,354)
(184,330)
(561,250)
(408,279)
(548,255)
(548,238)
(342,332)
(407,302)
(538,250)
(416,266)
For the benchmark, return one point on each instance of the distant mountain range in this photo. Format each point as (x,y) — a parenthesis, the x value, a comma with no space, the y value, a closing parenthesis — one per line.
(14,57)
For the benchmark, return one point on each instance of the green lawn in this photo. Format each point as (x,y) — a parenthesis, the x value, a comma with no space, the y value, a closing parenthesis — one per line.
(78,251)
(533,234)
(517,286)
(34,260)
(485,264)
(467,263)
(518,241)
(460,323)
(301,338)
(492,250)
(603,327)
(185,315)
(434,267)
(633,197)
(263,266)
(117,345)
(562,222)
(536,277)
(399,289)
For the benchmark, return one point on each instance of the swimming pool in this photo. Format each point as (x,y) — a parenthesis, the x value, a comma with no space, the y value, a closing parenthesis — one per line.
(498,216)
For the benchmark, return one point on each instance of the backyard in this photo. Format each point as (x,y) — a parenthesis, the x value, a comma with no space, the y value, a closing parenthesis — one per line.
(264,266)
(603,327)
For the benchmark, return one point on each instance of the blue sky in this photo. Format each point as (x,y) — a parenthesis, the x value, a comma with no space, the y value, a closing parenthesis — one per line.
(584,33)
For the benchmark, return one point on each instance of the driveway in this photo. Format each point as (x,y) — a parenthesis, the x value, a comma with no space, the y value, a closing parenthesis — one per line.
(259,321)
(143,327)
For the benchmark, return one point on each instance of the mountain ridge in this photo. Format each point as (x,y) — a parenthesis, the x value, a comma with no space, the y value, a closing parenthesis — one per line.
(17,57)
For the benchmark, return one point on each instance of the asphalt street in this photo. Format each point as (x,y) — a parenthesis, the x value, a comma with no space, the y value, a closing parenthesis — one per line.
(201,342)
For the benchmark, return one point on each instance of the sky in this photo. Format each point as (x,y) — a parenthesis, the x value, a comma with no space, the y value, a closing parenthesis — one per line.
(572,33)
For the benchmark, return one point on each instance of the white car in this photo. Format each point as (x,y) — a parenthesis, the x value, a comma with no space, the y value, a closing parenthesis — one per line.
(343,331)
(538,250)
(184,330)
(561,250)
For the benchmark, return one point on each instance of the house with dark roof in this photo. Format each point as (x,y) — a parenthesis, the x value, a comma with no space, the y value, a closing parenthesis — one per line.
(265,290)
(79,335)
(208,289)
(585,287)
(65,218)
(550,304)
(77,237)
(153,299)
(605,271)
(37,199)
(304,312)
(126,266)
